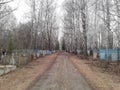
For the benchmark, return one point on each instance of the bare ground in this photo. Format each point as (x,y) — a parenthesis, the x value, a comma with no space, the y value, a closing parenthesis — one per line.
(62,76)
(67,72)
(98,79)
(25,76)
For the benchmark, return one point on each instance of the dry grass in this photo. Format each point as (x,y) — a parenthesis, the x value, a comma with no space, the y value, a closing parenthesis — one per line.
(95,77)
(23,77)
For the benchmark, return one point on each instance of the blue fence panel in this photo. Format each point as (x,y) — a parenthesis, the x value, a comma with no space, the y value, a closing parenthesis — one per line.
(102,55)
(109,54)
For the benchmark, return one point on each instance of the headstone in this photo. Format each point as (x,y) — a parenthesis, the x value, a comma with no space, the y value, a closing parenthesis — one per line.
(12,60)
(38,55)
(95,55)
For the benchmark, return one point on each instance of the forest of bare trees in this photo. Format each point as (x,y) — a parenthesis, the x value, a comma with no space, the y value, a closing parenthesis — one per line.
(88,24)
(40,31)
(91,24)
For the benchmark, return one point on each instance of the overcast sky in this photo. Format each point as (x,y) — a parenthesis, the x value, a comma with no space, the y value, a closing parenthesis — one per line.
(23,8)
(60,17)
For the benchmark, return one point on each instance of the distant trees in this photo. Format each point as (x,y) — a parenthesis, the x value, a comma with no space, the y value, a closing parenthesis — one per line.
(91,24)
(117,20)
(7,21)
(75,23)
(40,32)
(84,23)
(63,45)
(43,25)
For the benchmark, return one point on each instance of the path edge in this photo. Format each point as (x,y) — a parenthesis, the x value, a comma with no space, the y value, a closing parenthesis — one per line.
(39,76)
(89,84)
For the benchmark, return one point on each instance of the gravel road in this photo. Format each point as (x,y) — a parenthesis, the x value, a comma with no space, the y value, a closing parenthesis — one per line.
(62,76)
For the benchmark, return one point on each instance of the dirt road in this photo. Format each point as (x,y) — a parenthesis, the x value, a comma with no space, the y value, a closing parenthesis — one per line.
(23,77)
(62,76)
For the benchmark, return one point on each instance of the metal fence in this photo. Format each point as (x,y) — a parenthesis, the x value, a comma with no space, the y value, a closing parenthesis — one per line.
(17,59)
(22,57)
(109,54)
